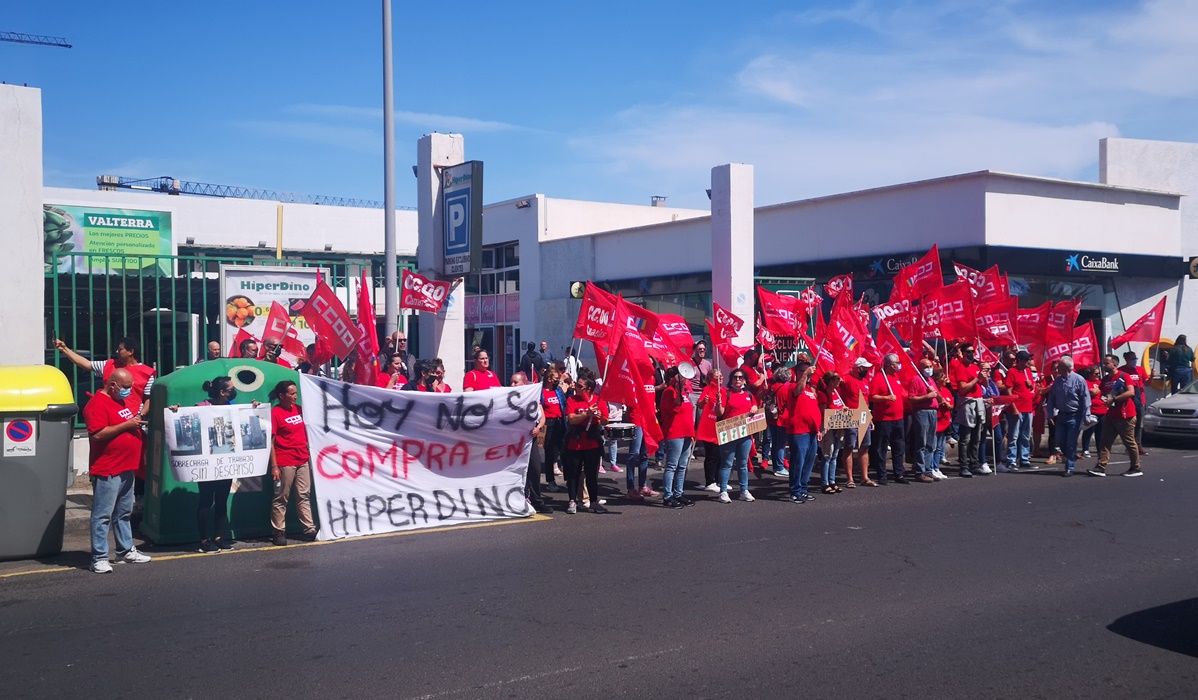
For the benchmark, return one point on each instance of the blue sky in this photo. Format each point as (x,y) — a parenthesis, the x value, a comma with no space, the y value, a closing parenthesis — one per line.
(611,101)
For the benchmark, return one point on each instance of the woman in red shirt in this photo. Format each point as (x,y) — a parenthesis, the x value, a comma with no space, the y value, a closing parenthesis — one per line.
(705,430)
(553,401)
(585,417)
(437,383)
(806,429)
(1097,408)
(737,401)
(782,389)
(289,463)
(827,391)
(678,430)
(944,421)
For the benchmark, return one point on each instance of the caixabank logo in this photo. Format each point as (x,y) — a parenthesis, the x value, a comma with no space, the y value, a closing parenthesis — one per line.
(1084,262)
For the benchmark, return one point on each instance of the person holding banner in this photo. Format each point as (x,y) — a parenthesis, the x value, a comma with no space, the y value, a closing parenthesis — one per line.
(968,379)
(887,396)
(212,511)
(553,403)
(585,417)
(944,421)
(782,391)
(736,401)
(1020,383)
(678,430)
(290,463)
(806,430)
(436,383)
(481,377)
(705,431)
(852,387)
(833,440)
(923,397)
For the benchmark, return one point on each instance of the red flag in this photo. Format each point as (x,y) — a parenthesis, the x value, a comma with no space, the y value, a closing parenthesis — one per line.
(781,314)
(993,286)
(645,326)
(366,364)
(1031,325)
(421,293)
(840,284)
(327,317)
(967,273)
(676,331)
(810,299)
(242,336)
(921,277)
(929,319)
(766,338)
(1060,323)
(1145,329)
(954,305)
(598,319)
(727,323)
(823,358)
(996,321)
(1085,346)
(843,337)
(629,380)
(887,344)
(277,324)
(293,348)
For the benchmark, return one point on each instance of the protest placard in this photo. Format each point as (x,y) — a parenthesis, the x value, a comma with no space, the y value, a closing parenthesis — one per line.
(385,461)
(739,426)
(208,443)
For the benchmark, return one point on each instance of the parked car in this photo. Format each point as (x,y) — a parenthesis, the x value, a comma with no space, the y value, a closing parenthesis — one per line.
(1175,416)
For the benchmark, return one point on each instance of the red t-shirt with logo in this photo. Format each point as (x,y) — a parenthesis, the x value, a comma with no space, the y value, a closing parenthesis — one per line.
(960,373)
(577,438)
(706,429)
(1022,385)
(805,414)
(849,387)
(290,436)
(550,403)
(917,387)
(124,452)
(677,414)
(141,375)
(1097,407)
(944,412)
(479,379)
(1124,408)
(884,385)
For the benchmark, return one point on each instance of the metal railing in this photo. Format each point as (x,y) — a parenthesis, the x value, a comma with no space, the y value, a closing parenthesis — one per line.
(170,304)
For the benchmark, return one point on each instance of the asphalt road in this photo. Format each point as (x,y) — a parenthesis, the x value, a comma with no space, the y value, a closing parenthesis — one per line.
(1022,585)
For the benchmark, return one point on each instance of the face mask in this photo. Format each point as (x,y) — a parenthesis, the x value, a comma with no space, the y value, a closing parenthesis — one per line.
(124,393)
(927,371)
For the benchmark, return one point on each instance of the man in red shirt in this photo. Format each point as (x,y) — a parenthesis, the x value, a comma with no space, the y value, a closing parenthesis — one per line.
(124,357)
(1139,375)
(481,377)
(852,387)
(678,428)
(967,378)
(1118,393)
(114,423)
(1019,382)
(886,398)
(923,396)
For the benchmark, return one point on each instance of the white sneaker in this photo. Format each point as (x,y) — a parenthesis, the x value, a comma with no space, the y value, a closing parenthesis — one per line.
(724,498)
(101,566)
(1086,454)
(746,496)
(985,469)
(952,442)
(712,487)
(938,475)
(135,557)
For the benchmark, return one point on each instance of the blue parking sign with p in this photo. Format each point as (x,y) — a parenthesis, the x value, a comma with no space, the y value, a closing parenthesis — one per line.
(457,223)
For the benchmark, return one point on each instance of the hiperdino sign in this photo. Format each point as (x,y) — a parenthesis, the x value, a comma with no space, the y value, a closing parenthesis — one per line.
(1084,262)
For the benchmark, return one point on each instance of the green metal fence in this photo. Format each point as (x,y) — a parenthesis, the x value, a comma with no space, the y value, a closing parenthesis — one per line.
(170,304)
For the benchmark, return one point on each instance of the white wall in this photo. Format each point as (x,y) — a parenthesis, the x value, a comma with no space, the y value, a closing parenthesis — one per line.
(566,218)
(1158,165)
(1033,213)
(242,223)
(22,305)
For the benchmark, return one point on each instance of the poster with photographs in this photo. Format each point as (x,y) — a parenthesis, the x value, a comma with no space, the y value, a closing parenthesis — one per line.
(207,443)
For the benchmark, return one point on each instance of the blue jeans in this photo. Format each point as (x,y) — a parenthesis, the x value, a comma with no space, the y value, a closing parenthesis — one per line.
(831,445)
(803,448)
(678,456)
(780,437)
(1180,378)
(1019,438)
(736,454)
(610,447)
(1068,427)
(112,499)
(938,451)
(923,433)
(638,461)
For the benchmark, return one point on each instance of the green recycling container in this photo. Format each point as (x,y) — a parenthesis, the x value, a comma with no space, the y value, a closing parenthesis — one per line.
(36,411)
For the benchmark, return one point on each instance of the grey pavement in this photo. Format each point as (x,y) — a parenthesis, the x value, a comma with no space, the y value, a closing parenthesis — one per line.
(1022,585)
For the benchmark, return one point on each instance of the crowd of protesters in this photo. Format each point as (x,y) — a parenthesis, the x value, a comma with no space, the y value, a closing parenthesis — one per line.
(993,413)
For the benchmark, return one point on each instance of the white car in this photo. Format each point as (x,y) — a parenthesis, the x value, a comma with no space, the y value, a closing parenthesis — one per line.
(1175,415)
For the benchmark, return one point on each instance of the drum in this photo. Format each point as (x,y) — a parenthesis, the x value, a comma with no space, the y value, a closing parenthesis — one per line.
(618,431)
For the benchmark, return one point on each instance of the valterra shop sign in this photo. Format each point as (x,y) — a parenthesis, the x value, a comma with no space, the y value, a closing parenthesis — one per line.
(462,217)
(1084,262)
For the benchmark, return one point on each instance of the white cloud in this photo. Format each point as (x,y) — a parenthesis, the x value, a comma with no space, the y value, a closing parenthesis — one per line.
(439,122)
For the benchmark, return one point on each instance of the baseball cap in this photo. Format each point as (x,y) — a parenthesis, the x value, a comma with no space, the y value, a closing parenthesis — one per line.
(862,362)
(1023,356)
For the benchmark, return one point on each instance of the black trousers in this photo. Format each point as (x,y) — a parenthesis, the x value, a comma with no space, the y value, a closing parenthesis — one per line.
(532,479)
(970,442)
(555,440)
(711,463)
(888,433)
(213,510)
(579,465)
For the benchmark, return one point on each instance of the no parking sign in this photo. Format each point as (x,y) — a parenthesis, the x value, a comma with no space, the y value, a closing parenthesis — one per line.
(20,438)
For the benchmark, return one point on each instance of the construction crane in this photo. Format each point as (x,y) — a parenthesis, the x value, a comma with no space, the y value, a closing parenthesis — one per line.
(19,38)
(170,185)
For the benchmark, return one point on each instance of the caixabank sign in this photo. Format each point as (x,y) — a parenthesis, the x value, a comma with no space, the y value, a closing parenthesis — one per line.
(1086,262)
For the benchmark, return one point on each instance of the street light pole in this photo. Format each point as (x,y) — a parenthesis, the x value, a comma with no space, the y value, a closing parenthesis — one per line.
(390,283)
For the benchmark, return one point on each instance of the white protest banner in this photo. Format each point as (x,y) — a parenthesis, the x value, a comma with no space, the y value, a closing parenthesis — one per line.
(385,461)
(208,443)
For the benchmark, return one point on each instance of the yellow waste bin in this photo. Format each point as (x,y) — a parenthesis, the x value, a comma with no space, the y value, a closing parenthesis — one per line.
(36,411)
